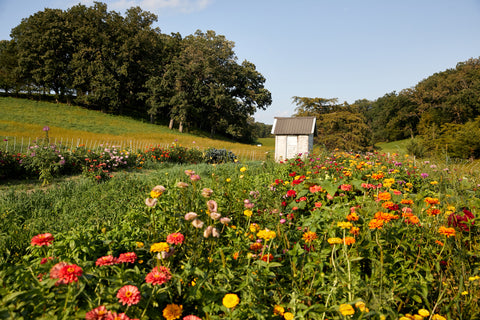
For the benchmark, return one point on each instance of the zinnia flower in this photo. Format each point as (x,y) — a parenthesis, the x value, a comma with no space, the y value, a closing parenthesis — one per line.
(159,275)
(278,310)
(128,257)
(172,311)
(424,313)
(128,295)
(182,185)
(151,202)
(207,232)
(230,300)
(116,316)
(448,232)
(344,224)
(248,212)
(288,316)
(215,215)
(191,317)
(225,220)
(206,192)
(346,309)
(309,236)
(157,191)
(175,238)
(68,273)
(195,177)
(44,239)
(335,241)
(197,223)
(98,313)
(266,234)
(160,247)
(190,216)
(106,261)
(348,240)
(212,205)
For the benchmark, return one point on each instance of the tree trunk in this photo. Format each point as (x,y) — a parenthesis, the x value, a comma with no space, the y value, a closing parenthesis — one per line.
(170,125)
(180,127)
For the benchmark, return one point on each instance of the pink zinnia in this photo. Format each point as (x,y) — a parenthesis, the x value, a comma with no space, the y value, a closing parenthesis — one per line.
(115,316)
(159,275)
(106,261)
(127,257)
(191,317)
(212,205)
(99,313)
(128,295)
(55,271)
(175,238)
(44,239)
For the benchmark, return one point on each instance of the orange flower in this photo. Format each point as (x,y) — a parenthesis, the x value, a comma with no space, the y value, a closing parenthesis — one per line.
(440,243)
(377,176)
(375,224)
(413,219)
(352,216)
(355,231)
(433,211)
(384,196)
(349,240)
(256,246)
(432,201)
(448,232)
(309,236)
(406,201)
(315,188)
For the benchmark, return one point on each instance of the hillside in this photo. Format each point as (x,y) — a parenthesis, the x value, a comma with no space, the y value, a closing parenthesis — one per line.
(23,120)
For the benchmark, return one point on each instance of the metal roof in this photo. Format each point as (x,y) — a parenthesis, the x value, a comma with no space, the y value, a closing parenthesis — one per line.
(294,125)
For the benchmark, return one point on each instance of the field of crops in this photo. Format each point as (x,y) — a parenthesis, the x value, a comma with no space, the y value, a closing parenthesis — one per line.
(333,236)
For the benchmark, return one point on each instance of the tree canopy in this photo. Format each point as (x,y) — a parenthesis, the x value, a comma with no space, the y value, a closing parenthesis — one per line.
(120,64)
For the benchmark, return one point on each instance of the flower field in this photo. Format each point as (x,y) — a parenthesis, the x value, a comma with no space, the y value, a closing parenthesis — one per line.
(337,236)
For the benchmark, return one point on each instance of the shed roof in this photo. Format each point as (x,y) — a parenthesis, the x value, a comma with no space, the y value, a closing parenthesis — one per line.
(294,125)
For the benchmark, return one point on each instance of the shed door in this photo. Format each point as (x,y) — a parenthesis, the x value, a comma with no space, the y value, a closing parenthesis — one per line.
(291,147)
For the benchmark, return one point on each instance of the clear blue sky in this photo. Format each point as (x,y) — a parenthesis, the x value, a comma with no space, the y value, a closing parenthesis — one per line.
(345,49)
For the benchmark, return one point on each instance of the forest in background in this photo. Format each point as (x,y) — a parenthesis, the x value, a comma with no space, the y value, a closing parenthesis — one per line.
(440,115)
(121,65)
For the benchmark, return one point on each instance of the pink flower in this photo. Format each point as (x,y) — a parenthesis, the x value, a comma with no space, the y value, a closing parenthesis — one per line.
(191,317)
(175,238)
(65,273)
(197,223)
(159,275)
(106,261)
(190,216)
(128,295)
(212,205)
(128,257)
(195,177)
(99,313)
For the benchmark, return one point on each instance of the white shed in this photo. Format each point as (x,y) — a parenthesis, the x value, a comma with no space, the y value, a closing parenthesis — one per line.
(293,136)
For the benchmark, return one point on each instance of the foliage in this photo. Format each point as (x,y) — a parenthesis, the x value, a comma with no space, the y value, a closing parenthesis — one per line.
(120,64)
(214,155)
(333,235)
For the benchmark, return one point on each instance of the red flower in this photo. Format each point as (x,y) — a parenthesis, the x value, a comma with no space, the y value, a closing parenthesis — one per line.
(458,221)
(128,295)
(99,313)
(127,257)
(115,316)
(267,257)
(106,261)
(159,275)
(69,273)
(44,239)
(175,238)
(291,193)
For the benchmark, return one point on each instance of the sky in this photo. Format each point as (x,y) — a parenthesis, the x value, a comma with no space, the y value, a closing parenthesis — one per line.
(344,49)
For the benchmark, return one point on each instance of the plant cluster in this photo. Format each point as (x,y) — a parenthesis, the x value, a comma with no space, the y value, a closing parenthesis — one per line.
(326,237)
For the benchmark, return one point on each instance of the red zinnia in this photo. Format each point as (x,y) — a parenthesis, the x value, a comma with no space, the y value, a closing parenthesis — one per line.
(105,261)
(175,238)
(128,295)
(44,239)
(127,257)
(69,273)
(291,193)
(115,316)
(99,313)
(159,275)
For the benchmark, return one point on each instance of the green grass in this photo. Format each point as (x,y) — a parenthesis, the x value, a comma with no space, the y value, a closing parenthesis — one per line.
(22,120)
(394,146)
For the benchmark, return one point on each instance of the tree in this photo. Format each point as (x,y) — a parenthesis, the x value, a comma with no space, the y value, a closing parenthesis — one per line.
(8,65)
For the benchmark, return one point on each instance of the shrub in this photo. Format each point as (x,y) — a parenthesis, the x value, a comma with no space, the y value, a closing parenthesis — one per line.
(214,155)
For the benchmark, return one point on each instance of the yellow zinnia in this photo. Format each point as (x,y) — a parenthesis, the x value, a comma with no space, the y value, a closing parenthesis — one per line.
(424,313)
(288,316)
(346,309)
(160,247)
(172,311)
(230,300)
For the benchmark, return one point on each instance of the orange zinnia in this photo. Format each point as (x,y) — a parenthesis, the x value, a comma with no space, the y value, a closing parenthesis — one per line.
(348,240)
(375,224)
(384,196)
(448,232)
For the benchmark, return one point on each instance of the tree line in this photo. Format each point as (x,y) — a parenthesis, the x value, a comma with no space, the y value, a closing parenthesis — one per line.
(121,64)
(440,114)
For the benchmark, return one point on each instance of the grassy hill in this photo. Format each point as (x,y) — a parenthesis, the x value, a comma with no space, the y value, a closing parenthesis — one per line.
(22,121)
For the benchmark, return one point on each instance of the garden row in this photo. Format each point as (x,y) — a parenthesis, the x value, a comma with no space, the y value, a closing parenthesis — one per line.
(326,237)
(45,160)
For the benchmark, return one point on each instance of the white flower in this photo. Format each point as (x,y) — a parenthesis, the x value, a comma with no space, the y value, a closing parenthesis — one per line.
(197,223)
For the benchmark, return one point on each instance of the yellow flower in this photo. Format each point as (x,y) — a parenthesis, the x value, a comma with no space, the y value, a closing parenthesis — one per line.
(424,313)
(160,247)
(417,317)
(438,317)
(243,169)
(248,212)
(228,179)
(309,236)
(139,244)
(464,293)
(278,310)
(473,278)
(230,300)
(288,316)
(434,182)
(344,224)
(404,318)
(360,305)
(172,311)
(335,241)
(266,234)
(346,309)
